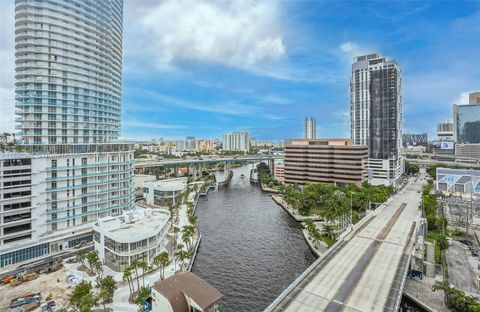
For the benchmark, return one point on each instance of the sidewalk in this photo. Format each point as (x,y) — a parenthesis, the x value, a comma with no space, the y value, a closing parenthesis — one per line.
(279,200)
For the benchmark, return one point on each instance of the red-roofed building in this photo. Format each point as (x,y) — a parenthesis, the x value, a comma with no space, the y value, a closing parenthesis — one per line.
(184,292)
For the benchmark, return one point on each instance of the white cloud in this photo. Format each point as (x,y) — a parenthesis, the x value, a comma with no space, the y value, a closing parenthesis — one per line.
(226,108)
(463,98)
(238,33)
(153,125)
(351,49)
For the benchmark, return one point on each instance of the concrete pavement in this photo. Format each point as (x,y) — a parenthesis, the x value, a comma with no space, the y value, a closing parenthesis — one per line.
(370,261)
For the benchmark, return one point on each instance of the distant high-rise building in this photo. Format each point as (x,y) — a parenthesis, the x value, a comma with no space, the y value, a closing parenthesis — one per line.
(466,123)
(415,139)
(445,131)
(474,98)
(376,116)
(73,170)
(310,128)
(236,141)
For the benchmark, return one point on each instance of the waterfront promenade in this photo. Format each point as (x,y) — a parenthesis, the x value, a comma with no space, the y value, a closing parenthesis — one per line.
(299,218)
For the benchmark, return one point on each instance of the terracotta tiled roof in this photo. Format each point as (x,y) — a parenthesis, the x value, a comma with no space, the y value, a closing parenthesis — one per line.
(192,286)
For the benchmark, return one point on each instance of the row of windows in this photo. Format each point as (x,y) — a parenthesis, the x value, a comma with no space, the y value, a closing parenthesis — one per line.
(16,206)
(17,194)
(5,172)
(17,162)
(22,216)
(13,183)
(17,228)
(76,241)
(23,254)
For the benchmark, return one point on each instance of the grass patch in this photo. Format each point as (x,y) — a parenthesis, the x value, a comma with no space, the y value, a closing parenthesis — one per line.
(434,237)
(328,240)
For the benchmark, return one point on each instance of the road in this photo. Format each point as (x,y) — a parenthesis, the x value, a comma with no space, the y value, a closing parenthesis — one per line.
(173,162)
(366,270)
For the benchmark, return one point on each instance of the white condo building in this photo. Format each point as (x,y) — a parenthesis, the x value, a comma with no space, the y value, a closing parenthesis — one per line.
(136,235)
(376,116)
(310,128)
(72,169)
(236,141)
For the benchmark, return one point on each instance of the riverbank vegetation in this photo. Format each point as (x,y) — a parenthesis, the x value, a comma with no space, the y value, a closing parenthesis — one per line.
(332,202)
(265,176)
(327,235)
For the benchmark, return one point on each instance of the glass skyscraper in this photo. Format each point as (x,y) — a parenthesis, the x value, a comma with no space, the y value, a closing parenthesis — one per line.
(376,116)
(466,120)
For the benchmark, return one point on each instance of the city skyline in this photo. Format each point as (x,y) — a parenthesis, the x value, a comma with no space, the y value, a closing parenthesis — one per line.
(296,66)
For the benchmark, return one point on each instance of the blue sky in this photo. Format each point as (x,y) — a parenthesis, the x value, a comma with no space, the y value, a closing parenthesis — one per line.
(204,68)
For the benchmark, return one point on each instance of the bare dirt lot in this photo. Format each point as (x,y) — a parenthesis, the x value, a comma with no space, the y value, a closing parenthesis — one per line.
(52,283)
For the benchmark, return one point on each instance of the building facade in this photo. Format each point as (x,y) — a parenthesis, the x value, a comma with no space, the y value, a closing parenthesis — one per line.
(445,131)
(279,172)
(68,93)
(334,161)
(415,139)
(236,141)
(376,116)
(474,98)
(205,146)
(310,128)
(466,123)
(468,150)
(458,180)
(164,192)
(136,235)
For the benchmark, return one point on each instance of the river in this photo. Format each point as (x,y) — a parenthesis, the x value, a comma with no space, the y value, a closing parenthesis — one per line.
(251,248)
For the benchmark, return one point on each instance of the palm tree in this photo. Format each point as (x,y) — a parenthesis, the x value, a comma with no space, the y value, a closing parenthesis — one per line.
(186,239)
(176,230)
(135,265)
(127,276)
(162,260)
(178,248)
(144,266)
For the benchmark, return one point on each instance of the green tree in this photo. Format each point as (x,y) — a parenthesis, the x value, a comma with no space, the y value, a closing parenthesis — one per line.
(135,264)
(82,298)
(143,294)
(82,257)
(94,263)
(145,268)
(162,260)
(127,276)
(109,285)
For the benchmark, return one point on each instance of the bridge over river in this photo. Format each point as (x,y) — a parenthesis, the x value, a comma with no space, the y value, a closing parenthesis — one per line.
(366,269)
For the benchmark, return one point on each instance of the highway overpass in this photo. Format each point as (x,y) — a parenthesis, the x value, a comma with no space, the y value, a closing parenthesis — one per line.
(366,270)
(201,161)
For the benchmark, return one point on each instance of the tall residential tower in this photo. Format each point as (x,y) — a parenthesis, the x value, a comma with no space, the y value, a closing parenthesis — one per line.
(376,116)
(310,128)
(73,170)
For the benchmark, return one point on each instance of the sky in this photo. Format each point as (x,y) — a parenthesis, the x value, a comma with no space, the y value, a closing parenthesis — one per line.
(202,68)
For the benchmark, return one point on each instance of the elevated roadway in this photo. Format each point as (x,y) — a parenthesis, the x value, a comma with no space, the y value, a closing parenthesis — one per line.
(200,161)
(366,270)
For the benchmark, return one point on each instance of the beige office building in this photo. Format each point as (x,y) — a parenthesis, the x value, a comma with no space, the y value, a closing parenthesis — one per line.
(334,161)
(205,146)
(474,98)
